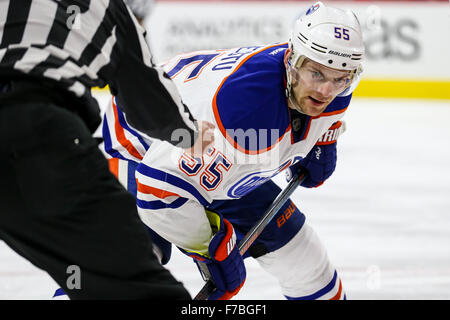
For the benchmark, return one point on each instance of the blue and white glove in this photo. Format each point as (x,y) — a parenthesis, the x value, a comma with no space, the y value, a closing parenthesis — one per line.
(320,163)
(224,262)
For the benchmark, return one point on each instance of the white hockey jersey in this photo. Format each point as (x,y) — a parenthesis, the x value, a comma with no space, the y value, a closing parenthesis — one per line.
(241,91)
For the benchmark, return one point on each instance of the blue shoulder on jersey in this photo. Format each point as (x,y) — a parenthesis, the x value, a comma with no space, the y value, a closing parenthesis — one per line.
(339,103)
(250,106)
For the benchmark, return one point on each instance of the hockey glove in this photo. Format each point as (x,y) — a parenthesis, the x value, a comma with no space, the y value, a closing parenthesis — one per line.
(320,163)
(224,263)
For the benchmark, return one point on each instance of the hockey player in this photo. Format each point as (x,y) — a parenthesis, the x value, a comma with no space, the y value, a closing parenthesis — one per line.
(276,107)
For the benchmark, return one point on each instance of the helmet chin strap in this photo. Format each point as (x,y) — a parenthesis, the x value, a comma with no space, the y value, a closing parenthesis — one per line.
(294,103)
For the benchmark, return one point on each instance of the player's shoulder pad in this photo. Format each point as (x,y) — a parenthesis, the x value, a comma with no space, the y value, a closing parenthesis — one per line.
(251,101)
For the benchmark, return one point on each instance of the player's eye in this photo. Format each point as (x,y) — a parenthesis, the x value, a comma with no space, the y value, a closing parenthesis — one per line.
(316,75)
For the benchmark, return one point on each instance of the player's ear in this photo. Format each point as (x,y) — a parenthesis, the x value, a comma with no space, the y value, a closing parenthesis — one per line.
(287,56)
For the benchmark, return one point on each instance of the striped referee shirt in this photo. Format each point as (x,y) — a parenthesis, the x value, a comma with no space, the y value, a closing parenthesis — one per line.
(80,44)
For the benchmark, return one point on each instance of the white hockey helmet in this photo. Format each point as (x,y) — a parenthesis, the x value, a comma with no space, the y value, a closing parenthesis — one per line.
(329,36)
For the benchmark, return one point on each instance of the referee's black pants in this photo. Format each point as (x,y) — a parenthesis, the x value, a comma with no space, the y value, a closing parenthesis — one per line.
(62,209)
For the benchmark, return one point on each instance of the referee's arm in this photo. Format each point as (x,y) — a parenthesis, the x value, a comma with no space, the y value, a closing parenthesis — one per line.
(148,97)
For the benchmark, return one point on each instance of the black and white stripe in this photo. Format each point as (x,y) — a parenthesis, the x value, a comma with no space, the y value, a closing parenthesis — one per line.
(80,44)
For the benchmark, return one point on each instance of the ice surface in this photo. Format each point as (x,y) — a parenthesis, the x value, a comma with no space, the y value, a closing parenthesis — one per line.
(384,215)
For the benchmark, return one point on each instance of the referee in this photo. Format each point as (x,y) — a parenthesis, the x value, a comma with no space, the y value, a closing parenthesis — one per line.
(60,207)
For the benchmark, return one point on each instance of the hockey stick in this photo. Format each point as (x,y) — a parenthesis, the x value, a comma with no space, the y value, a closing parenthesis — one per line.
(258,228)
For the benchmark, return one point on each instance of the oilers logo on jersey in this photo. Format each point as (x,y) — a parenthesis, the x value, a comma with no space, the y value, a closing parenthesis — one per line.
(253,180)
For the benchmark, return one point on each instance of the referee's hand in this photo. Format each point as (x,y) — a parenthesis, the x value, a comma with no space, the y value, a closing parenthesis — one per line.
(205,139)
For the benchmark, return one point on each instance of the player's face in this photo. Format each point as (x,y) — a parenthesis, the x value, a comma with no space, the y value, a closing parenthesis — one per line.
(314,86)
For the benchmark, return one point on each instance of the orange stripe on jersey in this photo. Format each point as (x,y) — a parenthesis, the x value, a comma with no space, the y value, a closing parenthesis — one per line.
(331,135)
(120,135)
(114,166)
(336,125)
(219,122)
(338,294)
(162,194)
(326,114)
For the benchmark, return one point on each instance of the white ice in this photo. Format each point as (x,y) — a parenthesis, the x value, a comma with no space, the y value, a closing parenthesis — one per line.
(384,215)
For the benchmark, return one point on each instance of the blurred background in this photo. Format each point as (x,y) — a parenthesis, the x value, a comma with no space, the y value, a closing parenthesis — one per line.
(407,42)
(384,215)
